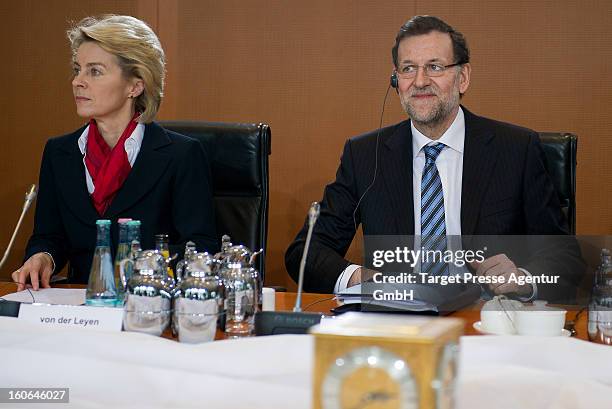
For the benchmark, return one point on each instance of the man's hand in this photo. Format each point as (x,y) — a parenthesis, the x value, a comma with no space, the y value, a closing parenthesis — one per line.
(360,275)
(501,265)
(39,266)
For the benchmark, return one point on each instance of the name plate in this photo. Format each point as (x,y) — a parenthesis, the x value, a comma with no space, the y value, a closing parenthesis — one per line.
(71,316)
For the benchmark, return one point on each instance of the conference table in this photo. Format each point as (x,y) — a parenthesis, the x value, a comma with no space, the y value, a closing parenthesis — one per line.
(284,301)
(127,369)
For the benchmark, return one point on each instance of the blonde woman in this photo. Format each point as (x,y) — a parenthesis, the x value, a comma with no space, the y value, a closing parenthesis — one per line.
(121,163)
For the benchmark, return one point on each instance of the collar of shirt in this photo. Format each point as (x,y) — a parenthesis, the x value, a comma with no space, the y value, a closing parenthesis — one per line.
(454,137)
(132,143)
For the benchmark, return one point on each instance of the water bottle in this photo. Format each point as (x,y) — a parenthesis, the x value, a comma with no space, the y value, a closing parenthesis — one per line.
(133,230)
(162,245)
(101,290)
(133,246)
(599,325)
(123,251)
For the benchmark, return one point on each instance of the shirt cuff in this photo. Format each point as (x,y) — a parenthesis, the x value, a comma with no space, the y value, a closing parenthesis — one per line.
(534,288)
(52,261)
(344,278)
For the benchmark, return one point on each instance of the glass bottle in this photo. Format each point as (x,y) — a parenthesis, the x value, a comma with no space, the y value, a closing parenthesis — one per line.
(123,251)
(133,245)
(599,325)
(605,268)
(161,244)
(133,231)
(190,250)
(101,290)
(226,243)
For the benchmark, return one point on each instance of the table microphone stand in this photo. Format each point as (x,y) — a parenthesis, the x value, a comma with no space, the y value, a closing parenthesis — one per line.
(11,308)
(296,322)
(29,198)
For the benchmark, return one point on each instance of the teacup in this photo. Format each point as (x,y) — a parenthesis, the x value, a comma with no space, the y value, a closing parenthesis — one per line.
(498,315)
(540,320)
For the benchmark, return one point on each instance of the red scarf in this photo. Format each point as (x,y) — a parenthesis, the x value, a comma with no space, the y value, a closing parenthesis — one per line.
(107,167)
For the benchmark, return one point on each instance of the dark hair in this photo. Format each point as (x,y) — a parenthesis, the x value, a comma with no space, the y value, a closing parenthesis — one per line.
(419,25)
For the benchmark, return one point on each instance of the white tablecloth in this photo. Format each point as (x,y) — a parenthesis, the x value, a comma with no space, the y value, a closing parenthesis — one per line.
(134,370)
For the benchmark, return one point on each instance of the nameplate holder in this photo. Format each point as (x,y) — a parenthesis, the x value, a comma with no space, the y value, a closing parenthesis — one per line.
(71,316)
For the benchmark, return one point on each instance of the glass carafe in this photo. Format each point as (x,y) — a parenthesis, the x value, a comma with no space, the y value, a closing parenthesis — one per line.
(232,254)
(101,290)
(242,298)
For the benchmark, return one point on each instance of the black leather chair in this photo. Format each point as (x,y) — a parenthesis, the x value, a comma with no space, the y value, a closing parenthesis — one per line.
(238,155)
(560,151)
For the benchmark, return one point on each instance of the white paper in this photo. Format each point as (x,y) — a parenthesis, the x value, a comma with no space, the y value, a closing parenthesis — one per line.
(354,295)
(72,316)
(61,296)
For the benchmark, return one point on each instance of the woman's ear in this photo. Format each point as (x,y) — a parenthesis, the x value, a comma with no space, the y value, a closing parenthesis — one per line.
(137,88)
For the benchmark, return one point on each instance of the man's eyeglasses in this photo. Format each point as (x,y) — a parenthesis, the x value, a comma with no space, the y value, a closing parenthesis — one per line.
(431,69)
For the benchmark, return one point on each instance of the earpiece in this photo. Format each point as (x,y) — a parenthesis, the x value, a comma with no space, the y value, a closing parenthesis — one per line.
(382,114)
(393,80)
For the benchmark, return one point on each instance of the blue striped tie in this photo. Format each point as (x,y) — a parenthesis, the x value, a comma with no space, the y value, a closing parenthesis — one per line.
(433,226)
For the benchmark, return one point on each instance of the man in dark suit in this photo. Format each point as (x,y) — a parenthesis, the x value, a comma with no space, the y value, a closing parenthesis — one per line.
(444,172)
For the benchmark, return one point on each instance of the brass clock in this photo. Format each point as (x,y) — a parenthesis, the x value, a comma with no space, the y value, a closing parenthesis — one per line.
(379,361)
(389,379)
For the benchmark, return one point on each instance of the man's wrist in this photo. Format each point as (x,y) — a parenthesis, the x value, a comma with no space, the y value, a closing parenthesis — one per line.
(50,259)
(531,295)
(345,276)
(355,278)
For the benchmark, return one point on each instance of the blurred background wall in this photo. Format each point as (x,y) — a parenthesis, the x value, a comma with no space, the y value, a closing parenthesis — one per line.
(317,72)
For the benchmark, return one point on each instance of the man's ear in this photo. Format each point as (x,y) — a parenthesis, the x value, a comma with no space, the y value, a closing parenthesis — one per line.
(464,77)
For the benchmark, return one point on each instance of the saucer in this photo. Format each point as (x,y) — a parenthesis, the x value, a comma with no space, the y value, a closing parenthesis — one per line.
(478,327)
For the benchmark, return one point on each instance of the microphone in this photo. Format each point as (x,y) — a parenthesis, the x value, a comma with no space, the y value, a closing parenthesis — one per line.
(313,215)
(29,198)
(296,322)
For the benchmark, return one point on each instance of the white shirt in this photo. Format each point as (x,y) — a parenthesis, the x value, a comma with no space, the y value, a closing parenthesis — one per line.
(132,147)
(450,168)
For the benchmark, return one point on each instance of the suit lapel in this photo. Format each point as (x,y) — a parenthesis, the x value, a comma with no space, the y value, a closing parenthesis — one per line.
(70,179)
(479,159)
(396,170)
(149,166)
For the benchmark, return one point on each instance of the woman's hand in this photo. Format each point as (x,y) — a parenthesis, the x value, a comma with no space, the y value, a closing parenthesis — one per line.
(39,266)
